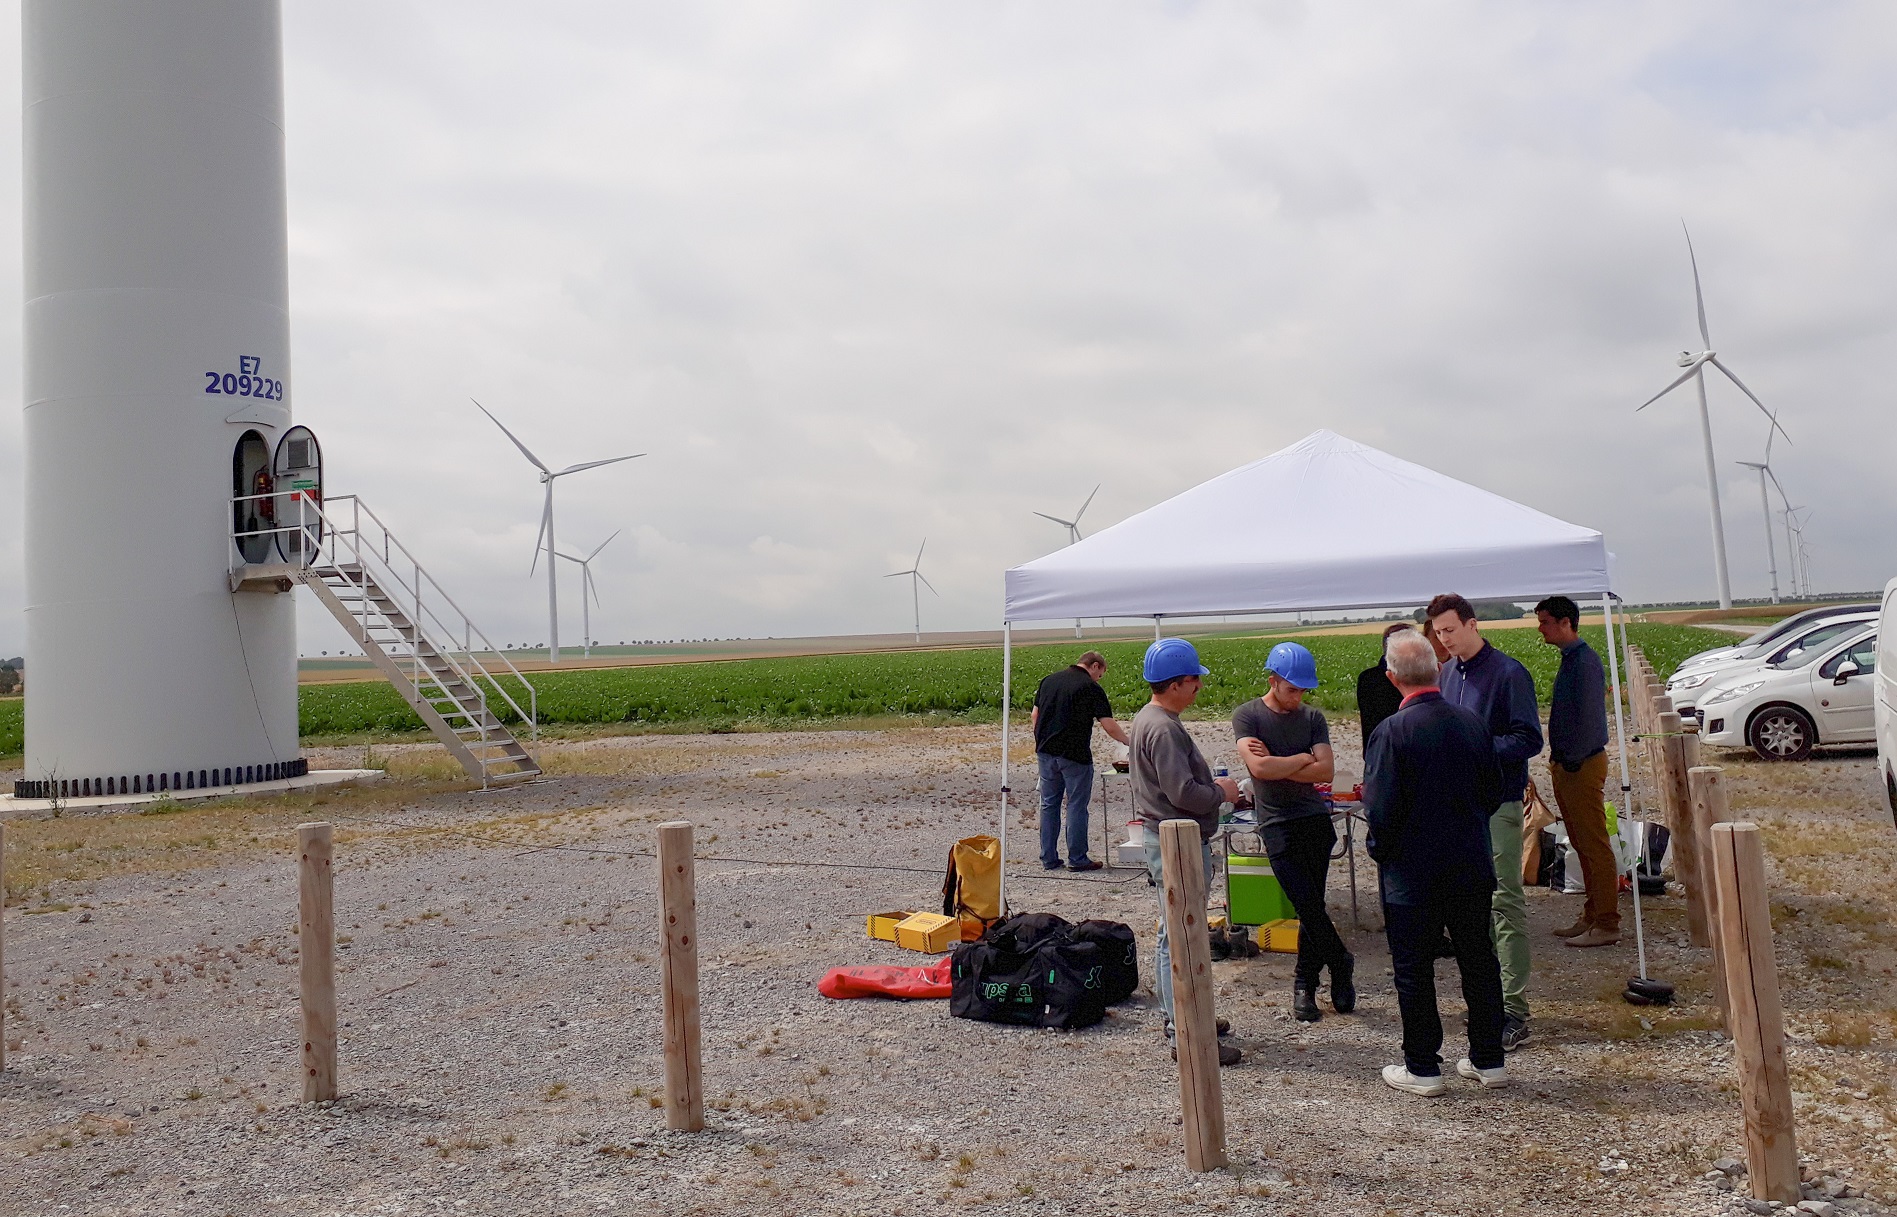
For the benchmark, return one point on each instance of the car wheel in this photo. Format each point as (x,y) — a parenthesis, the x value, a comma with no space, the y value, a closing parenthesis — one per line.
(1890,794)
(1780,733)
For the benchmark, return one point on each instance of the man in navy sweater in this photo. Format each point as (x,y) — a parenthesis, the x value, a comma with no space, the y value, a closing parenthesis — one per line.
(1430,784)
(1502,693)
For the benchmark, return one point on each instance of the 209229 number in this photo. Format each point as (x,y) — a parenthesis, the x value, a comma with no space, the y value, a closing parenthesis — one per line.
(239,384)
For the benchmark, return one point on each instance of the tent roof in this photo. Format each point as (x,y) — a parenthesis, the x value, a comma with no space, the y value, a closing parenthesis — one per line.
(1327,523)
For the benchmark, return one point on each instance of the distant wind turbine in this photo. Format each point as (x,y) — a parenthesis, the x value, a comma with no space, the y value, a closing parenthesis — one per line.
(547,477)
(916,577)
(587,585)
(1073,533)
(1072,526)
(1764,470)
(1695,366)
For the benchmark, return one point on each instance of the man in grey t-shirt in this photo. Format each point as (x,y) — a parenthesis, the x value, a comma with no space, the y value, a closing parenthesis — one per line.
(1286,746)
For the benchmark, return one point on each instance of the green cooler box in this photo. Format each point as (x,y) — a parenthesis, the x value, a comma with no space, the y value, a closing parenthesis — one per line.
(1252,894)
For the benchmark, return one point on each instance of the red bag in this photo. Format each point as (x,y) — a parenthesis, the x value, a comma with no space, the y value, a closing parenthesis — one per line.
(883,980)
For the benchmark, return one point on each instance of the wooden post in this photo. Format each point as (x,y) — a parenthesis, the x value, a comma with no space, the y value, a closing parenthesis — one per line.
(316,954)
(678,960)
(1757,1023)
(1677,752)
(1195,1024)
(1708,785)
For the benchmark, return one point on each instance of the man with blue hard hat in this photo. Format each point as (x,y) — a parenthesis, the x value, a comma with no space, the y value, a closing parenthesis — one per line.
(1286,747)
(1172,781)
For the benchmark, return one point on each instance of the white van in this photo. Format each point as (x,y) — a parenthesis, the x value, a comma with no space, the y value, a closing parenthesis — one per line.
(1884,702)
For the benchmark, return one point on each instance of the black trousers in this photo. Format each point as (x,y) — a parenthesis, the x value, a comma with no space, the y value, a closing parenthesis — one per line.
(1300,853)
(1414,930)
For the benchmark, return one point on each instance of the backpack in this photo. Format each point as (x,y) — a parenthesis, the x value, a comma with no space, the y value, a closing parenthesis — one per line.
(972,886)
(1119,956)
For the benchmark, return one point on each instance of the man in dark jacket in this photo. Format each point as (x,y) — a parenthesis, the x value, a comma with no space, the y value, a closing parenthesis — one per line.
(1502,693)
(1377,698)
(1577,767)
(1431,782)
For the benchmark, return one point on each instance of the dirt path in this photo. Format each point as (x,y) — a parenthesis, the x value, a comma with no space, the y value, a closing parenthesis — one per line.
(501,1015)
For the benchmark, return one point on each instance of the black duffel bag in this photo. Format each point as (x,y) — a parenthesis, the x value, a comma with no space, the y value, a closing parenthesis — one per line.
(1075,983)
(997,985)
(1025,932)
(1119,956)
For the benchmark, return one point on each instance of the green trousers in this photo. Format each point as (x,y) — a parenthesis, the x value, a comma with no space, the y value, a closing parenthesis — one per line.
(1508,916)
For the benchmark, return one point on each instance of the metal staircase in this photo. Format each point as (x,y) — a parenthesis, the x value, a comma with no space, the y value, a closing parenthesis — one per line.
(407,626)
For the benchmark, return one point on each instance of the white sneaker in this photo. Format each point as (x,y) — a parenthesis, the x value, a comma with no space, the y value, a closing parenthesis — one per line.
(1401,1078)
(1491,1079)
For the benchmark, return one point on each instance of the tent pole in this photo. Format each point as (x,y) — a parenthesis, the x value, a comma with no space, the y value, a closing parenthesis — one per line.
(1626,786)
(1007,697)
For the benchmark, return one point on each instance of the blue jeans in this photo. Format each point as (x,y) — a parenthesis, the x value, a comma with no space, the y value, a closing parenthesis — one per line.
(1058,774)
(1162,949)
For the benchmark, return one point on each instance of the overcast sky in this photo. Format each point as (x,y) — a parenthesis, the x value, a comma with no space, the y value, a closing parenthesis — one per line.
(857,274)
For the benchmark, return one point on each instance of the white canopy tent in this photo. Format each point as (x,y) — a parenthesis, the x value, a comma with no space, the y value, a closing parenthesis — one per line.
(1325,524)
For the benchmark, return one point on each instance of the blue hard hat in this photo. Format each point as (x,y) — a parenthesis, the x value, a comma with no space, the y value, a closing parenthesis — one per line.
(1170,657)
(1295,663)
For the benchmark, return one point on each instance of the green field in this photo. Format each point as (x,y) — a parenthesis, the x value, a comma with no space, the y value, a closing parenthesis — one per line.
(965,684)
(962,684)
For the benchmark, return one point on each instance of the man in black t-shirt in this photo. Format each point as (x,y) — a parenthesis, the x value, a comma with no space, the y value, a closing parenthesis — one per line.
(1286,747)
(1065,708)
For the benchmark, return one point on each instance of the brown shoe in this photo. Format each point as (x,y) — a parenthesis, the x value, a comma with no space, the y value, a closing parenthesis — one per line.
(1594,937)
(1574,931)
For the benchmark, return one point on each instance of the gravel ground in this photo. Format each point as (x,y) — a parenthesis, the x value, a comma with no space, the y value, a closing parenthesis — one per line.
(501,1016)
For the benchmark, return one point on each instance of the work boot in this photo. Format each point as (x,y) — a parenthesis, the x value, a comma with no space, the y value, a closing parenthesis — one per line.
(1229,1054)
(1573,931)
(1344,986)
(1594,936)
(1221,945)
(1304,1001)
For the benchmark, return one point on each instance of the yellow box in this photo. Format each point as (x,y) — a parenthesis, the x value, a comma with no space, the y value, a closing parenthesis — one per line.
(930,932)
(882,926)
(1279,936)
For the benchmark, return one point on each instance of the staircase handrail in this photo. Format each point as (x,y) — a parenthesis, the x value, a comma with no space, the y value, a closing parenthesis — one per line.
(322,534)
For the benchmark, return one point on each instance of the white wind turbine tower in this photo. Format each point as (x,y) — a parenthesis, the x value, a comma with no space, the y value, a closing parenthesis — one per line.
(547,477)
(587,585)
(1695,365)
(1073,532)
(1764,470)
(916,577)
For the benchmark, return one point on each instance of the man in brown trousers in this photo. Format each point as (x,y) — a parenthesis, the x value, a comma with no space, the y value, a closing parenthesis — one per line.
(1577,761)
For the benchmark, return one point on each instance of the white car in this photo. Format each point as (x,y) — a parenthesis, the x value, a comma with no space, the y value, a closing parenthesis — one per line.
(1688,685)
(1819,695)
(1884,703)
(1778,631)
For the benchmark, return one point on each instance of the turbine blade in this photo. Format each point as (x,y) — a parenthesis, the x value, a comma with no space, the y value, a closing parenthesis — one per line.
(1088,503)
(919,549)
(603,544)
(1056,519)
(546,517)
(594,587)
(897,574)
(1754,396)
(926,583)
(510,435)
(1682,379)
(596,464)
(1699,297)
